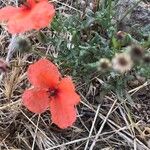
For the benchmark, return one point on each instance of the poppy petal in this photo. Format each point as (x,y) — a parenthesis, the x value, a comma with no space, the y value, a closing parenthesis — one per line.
(42,14)
(43,73)
(20,23)
(36,18)
(63,116)
(66,90)
(7,12)
(36,100)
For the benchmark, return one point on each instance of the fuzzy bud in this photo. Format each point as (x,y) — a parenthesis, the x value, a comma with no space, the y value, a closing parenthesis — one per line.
(120,35)
(21,44)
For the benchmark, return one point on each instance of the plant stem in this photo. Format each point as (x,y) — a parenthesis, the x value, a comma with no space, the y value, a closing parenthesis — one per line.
(11,50)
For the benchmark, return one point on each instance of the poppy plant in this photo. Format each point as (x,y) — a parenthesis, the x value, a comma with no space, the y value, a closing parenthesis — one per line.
(33,14)
(51,91)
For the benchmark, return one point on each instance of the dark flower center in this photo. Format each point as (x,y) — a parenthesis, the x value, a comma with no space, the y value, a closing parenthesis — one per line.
(104,65)
(147,59)
(137,51)
(123,62)
(52,92)
(22,2)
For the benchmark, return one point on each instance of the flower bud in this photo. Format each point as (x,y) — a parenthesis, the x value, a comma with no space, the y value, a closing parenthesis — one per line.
(120,35)
(21,44)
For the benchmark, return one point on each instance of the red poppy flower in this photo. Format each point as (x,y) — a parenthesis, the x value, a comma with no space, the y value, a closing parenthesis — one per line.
(51,91)
(34,14)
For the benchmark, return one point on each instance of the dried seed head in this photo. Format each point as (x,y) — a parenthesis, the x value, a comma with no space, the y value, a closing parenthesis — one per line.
(122,62)
(146,59)
(104,64)
(3,66)
(136,52)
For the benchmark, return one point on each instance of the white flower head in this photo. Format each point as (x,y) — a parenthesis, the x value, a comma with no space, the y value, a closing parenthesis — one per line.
(122,62)
(104,64)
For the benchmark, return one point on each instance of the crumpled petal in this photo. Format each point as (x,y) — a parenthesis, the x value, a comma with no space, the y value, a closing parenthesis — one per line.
(42,14)
(66,90)
(44,74)
(7,12)
(63,116)
(38,17)
(20,23)
(36,100)
(62,106)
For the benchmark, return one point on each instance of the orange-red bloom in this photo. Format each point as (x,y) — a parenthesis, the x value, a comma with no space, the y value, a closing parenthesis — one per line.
(51,91)
(34,14)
